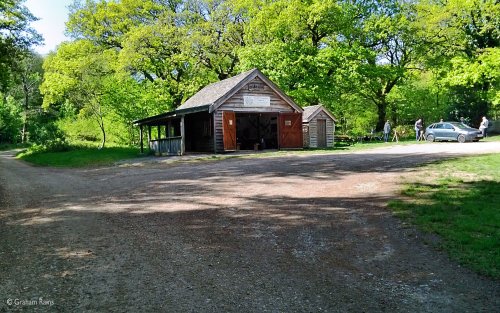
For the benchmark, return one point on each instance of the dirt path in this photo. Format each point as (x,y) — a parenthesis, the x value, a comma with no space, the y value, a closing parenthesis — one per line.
(289,234)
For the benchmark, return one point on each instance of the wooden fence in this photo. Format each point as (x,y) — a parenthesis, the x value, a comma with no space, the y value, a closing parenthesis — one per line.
(167,146)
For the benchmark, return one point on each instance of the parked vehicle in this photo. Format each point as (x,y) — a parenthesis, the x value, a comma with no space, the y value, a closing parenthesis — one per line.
(452,131)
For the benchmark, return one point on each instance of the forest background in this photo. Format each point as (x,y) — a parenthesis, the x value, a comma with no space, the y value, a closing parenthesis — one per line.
(367,61)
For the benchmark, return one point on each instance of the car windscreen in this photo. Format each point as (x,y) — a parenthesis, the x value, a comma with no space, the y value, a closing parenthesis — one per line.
(459,125)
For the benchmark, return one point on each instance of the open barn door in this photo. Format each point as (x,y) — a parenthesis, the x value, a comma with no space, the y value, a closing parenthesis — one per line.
(229,130)
(290,130)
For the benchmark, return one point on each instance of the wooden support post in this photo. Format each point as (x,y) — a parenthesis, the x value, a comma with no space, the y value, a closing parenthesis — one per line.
(169,129)
(141,139)
(149,137)
(159,132)
(183,136)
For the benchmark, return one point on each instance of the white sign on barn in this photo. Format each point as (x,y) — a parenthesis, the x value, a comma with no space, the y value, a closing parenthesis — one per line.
(256,101)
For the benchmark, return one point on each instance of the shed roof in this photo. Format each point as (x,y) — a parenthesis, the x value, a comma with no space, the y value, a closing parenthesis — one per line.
(210,97)
(215,94)
(311,111)
(160,118)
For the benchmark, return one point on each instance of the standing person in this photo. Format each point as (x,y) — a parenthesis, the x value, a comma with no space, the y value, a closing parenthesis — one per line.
(418,127)
(387,130)
(484,126)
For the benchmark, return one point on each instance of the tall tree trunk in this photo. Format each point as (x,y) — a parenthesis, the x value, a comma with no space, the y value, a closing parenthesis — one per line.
(98,114)
(381,111)
(103,142)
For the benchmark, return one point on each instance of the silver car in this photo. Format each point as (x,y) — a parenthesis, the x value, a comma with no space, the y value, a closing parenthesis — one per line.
(452,131)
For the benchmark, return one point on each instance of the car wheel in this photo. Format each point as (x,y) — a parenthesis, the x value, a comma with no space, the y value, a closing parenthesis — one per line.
(430,138)
(461,138)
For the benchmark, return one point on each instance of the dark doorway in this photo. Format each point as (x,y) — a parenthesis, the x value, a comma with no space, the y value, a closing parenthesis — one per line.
(198,132)
(257,128)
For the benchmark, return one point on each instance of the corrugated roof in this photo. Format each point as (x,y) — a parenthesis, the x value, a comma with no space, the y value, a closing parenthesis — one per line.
(213,92)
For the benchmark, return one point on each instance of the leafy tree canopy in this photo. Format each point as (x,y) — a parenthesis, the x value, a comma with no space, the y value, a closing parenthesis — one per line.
(16,37)
(367,60)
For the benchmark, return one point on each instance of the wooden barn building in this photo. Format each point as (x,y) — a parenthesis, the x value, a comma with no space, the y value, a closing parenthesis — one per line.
(245,112)
(318,126)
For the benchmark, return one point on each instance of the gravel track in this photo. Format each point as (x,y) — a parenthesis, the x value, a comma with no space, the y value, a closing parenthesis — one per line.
(299,233)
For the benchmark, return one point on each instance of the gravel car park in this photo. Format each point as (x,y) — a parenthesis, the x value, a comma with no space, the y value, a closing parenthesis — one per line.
(452,131)
(296,233)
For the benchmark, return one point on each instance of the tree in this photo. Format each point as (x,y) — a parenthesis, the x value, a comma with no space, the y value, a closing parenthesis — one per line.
(216,32)
(78,72)
(288,41)
(10,120)
(324,51)
(16,37)
(28,74)
(463,40)
(178,46)
(419,96)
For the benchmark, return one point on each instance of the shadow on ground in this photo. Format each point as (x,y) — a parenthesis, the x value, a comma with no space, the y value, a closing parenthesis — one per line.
(291,234)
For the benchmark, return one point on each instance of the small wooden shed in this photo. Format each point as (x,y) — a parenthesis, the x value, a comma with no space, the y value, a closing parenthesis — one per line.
(318,126)
(245,112)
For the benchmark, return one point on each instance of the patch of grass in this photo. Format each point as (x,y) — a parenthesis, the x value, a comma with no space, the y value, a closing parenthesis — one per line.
(492,138)
(80,156)
(461,205)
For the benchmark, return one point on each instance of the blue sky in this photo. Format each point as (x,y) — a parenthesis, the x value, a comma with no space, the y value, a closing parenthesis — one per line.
(52,14)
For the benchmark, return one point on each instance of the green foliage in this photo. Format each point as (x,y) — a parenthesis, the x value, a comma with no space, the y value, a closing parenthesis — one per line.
(10,120)
(45,130)
(368,61)
(79,129)
(77,156)
(25,89)
(464,43)
(322,51)
(78,72)
(420,91)
(462,211)
(362,123)
(132,59)
(54,145)
(16,37)
(469,102)
(19,70)
(405,131)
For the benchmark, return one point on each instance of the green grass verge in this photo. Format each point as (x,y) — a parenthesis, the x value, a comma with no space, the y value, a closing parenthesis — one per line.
(494,137)
(460,201)
(80,156)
